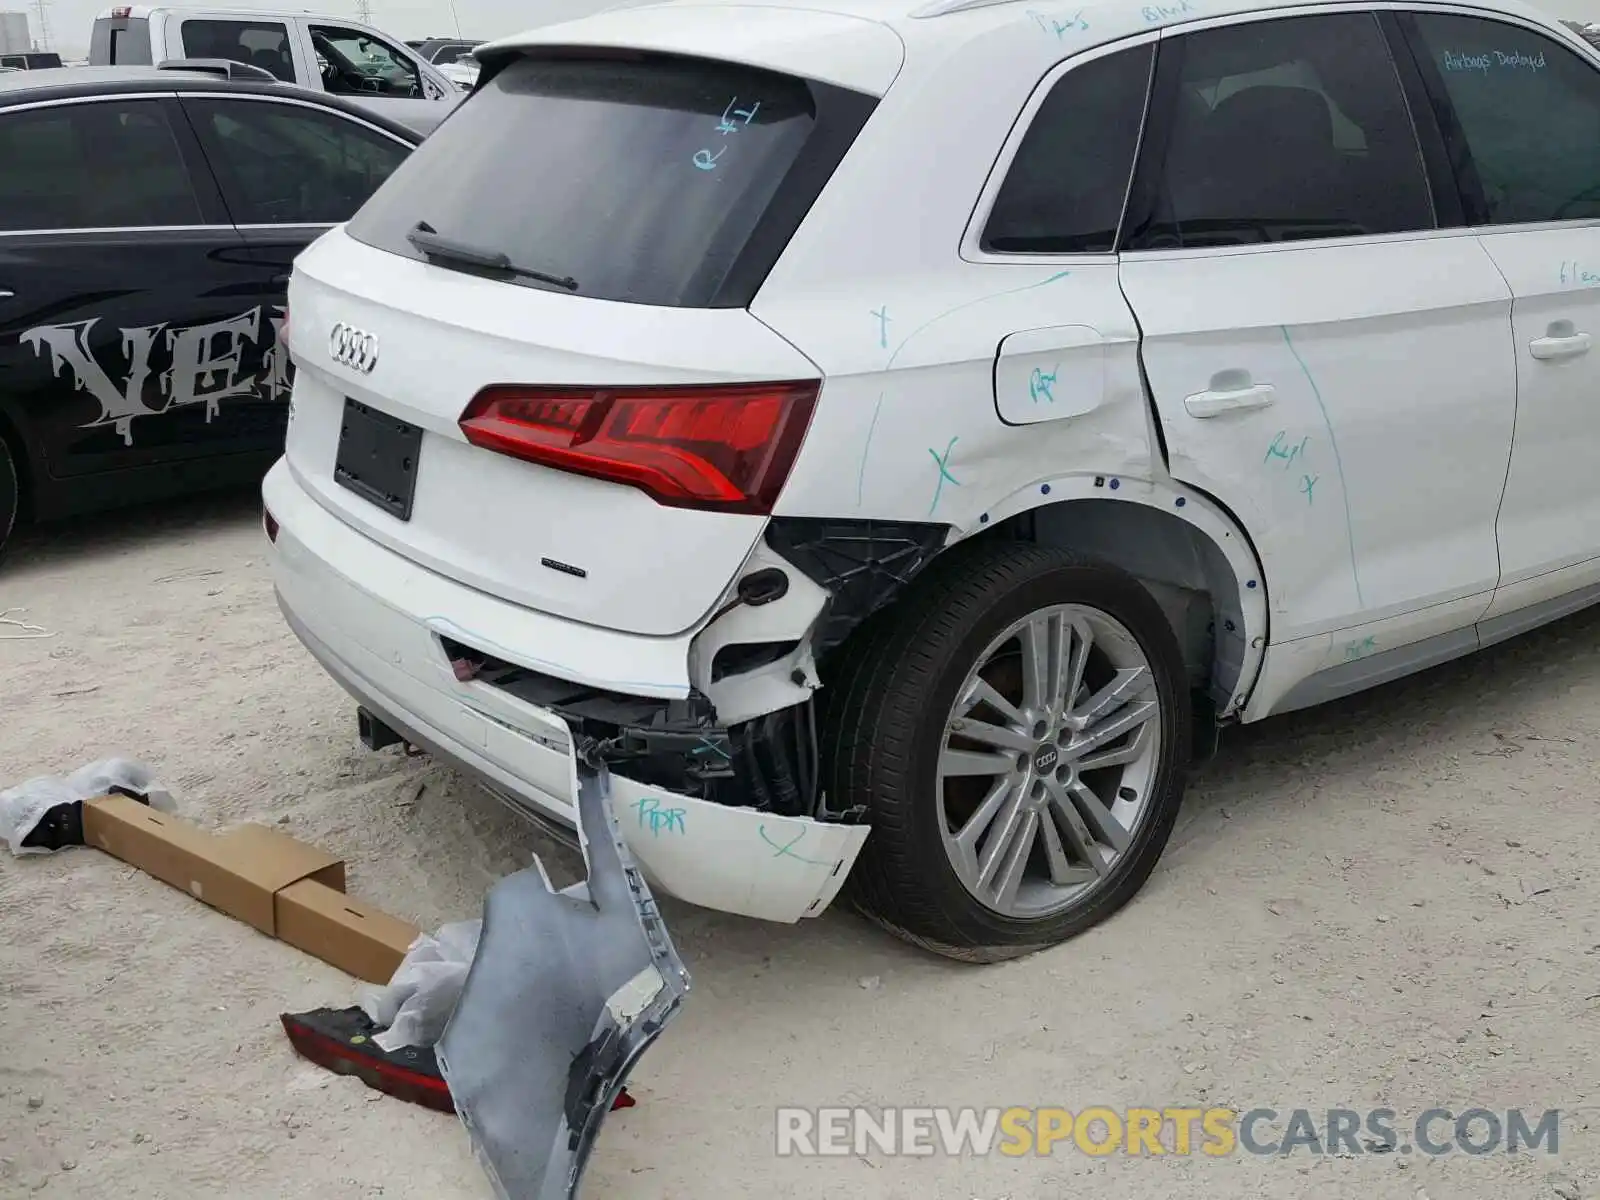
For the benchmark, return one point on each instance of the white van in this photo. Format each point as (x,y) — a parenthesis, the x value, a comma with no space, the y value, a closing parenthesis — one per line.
(326,54)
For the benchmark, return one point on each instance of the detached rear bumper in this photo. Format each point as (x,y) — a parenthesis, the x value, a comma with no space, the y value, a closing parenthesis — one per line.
(375,620)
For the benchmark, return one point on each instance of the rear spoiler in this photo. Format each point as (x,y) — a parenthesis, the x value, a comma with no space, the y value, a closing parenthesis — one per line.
(223,68)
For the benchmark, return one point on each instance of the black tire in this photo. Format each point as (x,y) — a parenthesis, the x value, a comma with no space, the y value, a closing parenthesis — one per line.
(883,728)
(10,495)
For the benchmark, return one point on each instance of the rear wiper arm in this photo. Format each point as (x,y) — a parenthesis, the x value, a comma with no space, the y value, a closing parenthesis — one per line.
(434,245)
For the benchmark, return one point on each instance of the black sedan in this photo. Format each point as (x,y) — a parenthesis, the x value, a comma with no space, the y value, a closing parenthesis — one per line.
(148,220)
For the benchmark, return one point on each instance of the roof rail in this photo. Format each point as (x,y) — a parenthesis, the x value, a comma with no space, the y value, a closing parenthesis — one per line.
(939,8)
(224,68)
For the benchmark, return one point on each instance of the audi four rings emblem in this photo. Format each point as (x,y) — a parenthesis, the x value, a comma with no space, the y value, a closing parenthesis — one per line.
(354,348)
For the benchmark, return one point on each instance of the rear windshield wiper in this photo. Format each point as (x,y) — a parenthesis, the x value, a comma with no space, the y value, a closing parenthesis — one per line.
(434,245)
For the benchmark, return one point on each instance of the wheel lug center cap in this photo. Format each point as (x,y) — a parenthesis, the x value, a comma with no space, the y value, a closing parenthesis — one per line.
(1046,759)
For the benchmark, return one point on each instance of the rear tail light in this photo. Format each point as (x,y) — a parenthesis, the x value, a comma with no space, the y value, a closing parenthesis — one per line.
(340,1040)
(724,447)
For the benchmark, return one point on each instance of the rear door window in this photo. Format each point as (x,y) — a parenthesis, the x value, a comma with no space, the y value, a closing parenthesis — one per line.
(654,180)
(292,164)
(96,165)
(263,44)
(1283,130)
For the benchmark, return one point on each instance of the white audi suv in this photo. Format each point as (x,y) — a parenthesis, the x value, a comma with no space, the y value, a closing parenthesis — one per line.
(894,435)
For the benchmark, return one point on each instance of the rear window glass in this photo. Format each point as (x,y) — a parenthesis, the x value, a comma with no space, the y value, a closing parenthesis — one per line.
(130,42)
(658,180)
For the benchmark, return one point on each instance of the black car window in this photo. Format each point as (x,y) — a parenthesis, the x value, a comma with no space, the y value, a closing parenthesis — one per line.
(356,64)
(1064,190)
(652,180)
(288,164)
(1528,110)
(93,165)
(263,44)
(1284,130)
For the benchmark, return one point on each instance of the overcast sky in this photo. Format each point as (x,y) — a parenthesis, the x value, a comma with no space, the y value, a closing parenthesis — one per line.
(71,20)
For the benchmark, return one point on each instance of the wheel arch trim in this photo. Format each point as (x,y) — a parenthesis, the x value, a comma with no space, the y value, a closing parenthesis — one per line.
(1195,508)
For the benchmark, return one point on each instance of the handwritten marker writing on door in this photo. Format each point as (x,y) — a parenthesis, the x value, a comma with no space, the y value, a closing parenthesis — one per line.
(1281,449)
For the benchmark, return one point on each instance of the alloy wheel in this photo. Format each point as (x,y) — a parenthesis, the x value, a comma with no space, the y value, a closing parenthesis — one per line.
(1048,757)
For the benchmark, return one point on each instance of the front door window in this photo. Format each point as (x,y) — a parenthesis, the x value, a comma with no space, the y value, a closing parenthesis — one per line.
(354,63)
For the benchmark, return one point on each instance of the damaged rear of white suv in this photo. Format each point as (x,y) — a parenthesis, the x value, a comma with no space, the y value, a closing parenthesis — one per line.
(657,393)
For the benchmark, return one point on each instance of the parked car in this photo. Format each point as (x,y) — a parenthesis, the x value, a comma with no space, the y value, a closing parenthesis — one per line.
(463,72)
(440,51)
(148,219)
(1238,358)
(326,54)
(1589,32)
(33,60)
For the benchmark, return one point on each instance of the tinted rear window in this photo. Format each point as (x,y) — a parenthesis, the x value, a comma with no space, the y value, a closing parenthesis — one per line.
(122,40)
(658,180)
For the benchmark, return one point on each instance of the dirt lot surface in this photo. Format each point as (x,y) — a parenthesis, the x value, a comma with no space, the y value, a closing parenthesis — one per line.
(1390,903)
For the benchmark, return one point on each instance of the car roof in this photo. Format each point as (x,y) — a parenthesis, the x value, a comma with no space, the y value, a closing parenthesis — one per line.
(141,12)
(67,83)
(923,25)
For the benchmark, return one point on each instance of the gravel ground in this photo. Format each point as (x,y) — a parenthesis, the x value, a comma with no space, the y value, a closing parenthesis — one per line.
(1387,903)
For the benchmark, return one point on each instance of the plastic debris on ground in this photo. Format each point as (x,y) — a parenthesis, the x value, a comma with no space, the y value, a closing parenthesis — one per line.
(568,989)
(416,1005)
(45,813)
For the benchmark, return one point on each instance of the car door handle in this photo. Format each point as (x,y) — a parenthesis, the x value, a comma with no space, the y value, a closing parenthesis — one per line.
(1215,403)
(6,295)
(1560,347)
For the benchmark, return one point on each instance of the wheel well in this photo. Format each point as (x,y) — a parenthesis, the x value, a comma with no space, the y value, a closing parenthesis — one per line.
(12,437)
(1182,568)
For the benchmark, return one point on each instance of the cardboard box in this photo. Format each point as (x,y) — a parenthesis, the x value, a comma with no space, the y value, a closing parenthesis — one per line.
(341,930)
(280,886)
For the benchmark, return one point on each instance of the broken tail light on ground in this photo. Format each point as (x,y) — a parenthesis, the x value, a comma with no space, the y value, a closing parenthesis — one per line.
(340,1040)
(724,447)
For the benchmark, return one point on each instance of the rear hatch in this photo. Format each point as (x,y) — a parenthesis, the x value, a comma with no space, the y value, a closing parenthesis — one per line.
(120,39)
(567,263)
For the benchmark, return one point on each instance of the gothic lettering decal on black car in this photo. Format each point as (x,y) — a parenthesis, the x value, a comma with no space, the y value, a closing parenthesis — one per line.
(207,365)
